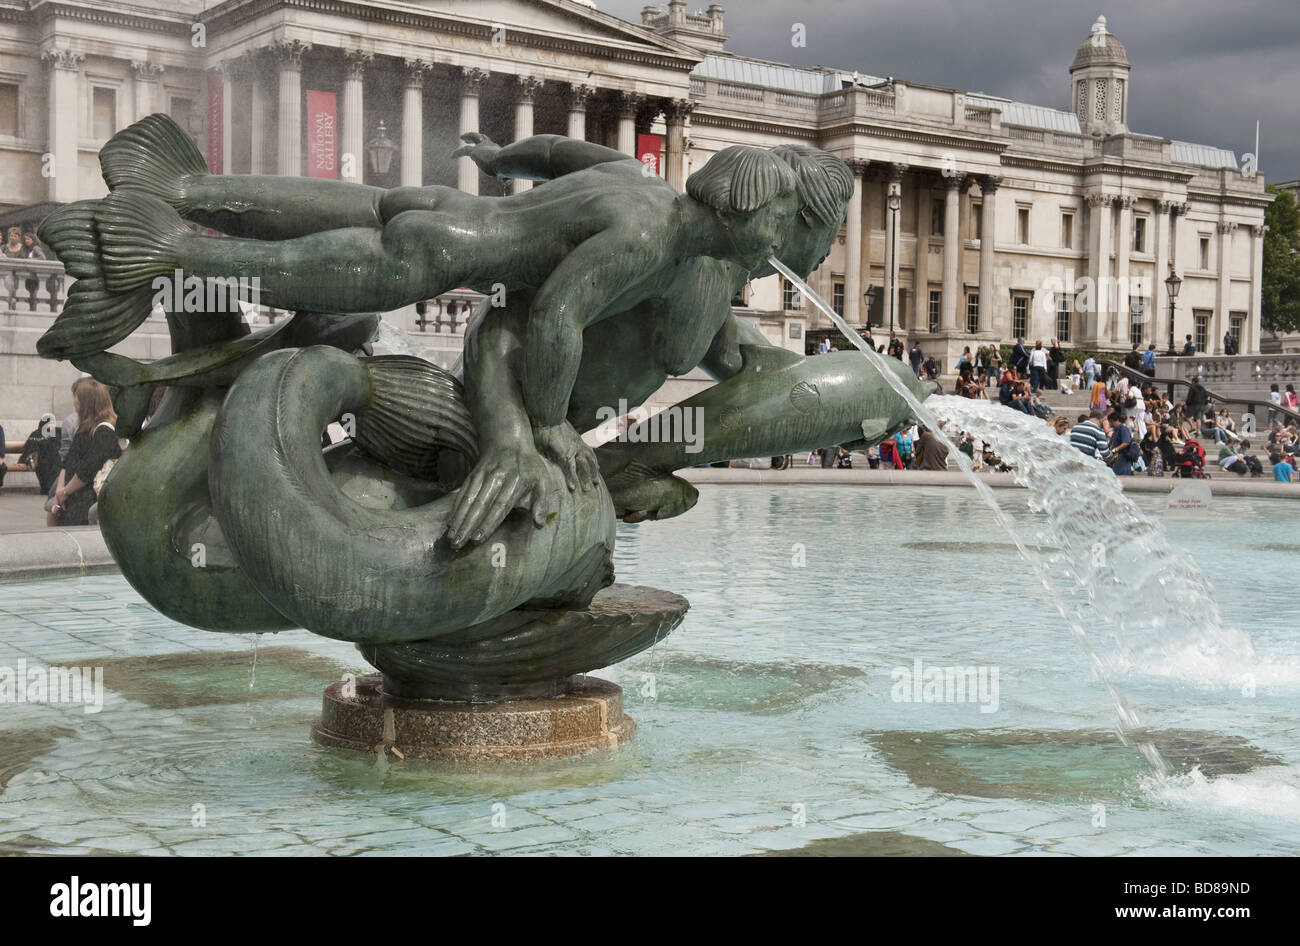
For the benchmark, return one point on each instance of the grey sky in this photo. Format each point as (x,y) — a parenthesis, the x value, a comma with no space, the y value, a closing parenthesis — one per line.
(1203,70)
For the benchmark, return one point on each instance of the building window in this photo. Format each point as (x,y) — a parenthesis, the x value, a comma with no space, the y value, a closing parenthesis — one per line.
(936,216)
(1139,234)
(104,114)
(1067,231)
(1063,306)
(1022,225)
(972,312)
(1202,330)
(1205,254)
(182,111)
(1137,320)
(789,296)
(976,220)
(741,297)
(936,304)
(837,298)
(8,108)
(1019,316)
(1237,328)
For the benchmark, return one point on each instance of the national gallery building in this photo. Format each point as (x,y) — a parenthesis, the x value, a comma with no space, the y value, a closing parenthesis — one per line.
(974,219)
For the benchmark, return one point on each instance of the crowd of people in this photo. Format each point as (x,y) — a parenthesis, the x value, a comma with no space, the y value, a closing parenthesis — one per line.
(1129,424)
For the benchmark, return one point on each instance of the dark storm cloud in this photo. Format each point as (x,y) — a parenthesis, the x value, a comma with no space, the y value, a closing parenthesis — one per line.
(1202,71)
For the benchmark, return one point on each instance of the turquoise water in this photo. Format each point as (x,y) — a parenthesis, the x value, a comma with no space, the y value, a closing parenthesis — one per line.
(771,719)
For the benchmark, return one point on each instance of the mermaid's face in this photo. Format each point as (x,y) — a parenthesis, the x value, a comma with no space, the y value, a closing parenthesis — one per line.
(756,236)
(806,246)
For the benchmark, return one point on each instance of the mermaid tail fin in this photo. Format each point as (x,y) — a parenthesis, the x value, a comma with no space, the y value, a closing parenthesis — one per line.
(137,239)
(416,410)
(154,155)
(93,317)
(70,230)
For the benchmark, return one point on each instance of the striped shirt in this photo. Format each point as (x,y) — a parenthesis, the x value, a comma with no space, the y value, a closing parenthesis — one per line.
(1090,440)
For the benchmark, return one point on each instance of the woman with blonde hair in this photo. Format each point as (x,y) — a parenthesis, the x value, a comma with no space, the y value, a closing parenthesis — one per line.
(94,445)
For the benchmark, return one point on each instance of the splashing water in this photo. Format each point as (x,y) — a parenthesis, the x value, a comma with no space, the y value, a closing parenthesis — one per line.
(1102,515)
(396,340)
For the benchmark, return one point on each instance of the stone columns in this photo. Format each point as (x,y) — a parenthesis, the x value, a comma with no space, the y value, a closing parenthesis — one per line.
(352,138)
(146,81)
(1250,334)
(988,237)
(230,71)
(256,114)
(628,106)
(951,253)
(412,174)
(675,116)
(893,182)
(289,55)
(1221,287)
(1099,234)
(64,110)
(1124,242)
(1159,294)
(920,318)
(471,85)
(526,91)
(853,313)
(576,98)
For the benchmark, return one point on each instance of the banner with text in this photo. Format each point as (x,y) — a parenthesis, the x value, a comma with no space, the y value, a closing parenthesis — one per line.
(322,137)
(648,150)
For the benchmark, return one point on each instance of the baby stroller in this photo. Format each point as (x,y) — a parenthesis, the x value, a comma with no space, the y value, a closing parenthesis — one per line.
(1190,462)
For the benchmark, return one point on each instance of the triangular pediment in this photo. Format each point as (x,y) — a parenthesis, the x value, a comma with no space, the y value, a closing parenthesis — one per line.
(558,17)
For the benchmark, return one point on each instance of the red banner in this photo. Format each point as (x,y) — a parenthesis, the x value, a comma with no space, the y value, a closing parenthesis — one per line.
(648,149)
(322,135)
(214,124)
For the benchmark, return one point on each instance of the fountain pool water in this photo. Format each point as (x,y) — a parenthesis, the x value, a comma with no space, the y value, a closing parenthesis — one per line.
(772,718)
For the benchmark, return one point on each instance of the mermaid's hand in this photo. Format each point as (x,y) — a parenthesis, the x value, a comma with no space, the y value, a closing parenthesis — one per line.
(563,446)
(480,149)
(502,480)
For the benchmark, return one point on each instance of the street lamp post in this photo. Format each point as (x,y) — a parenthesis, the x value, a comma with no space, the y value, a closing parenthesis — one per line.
(870,297)
(380,150)
(1173,284)
(894,201)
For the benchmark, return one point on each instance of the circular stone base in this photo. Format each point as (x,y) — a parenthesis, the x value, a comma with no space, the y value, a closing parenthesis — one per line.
(589,716)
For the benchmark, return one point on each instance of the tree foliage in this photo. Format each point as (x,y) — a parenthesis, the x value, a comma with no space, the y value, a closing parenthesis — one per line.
(1280,302)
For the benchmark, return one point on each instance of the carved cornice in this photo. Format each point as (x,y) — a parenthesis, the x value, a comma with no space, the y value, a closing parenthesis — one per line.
(139,20)
(678,110)
(576,97)
(526,88)
(472,79)
(288,53)
(65,59)
(450,33)
(415,71)
(356,62)
(146,70)
(629,103)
